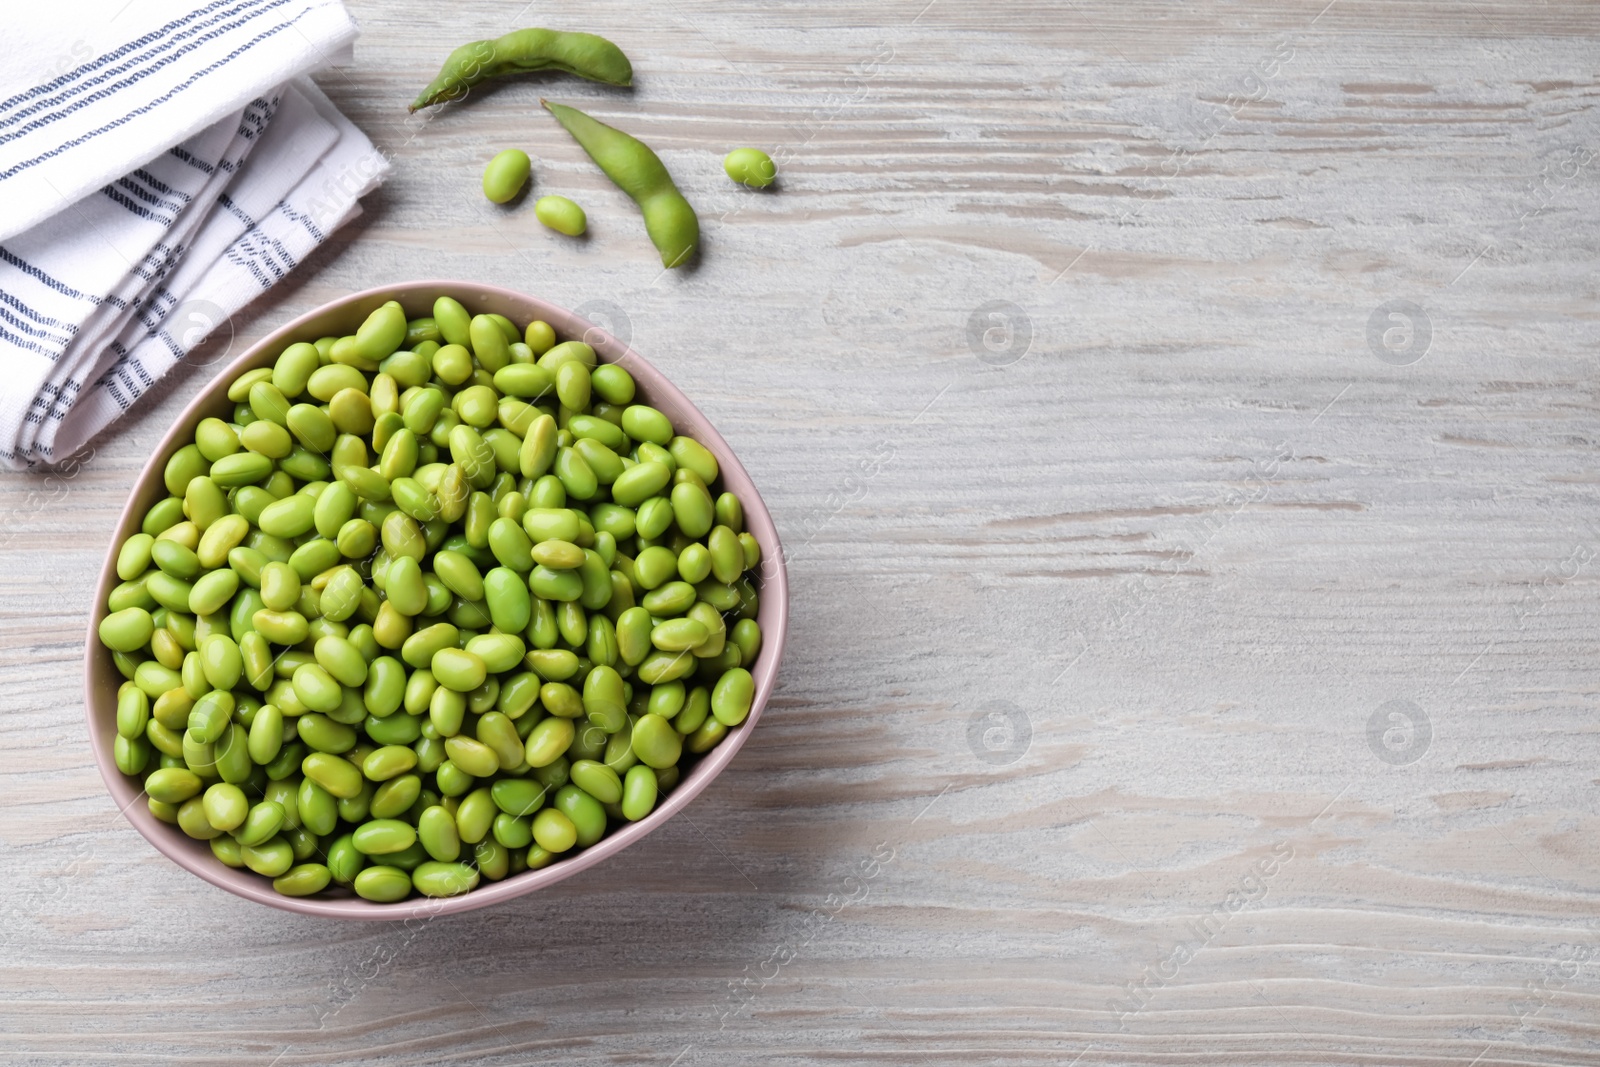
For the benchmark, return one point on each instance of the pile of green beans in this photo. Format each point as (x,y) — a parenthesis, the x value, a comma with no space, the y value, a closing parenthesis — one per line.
(439,603)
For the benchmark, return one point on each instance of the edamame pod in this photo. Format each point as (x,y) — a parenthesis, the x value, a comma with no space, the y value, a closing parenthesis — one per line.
(639,172)
(583,54)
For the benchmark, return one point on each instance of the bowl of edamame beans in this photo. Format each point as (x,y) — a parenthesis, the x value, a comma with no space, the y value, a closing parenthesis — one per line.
(434,597)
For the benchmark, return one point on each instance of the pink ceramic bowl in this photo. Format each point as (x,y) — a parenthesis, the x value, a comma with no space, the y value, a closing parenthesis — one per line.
(101,678)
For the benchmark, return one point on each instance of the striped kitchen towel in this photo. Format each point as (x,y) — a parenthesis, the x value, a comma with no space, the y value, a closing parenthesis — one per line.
(113,290)
(91,89)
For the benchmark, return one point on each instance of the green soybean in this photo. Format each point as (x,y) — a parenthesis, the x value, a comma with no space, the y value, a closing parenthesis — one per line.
(638,172)
(303,880)
(318,811)
(655,742)
(639,483)
(270,858)
(506,174)
(380,837)
(382,884)
(127,630)
(587,816)
(475,816)
(472,756)
(598,780)
(561,215)
(554,831)
(436,830)
(437,879)
(613,384)
(172,785)
(732,697)
(333,772)
(750,166)
(583,54)
(639,791)
(396,796)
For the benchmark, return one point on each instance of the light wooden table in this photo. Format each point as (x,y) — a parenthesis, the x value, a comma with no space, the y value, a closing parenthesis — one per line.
(1182,421)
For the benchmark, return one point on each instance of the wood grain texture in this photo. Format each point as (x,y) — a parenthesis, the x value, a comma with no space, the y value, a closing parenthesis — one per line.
(1182,540)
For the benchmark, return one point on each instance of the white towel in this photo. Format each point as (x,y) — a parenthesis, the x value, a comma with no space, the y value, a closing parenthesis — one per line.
(91,89)
(100,300)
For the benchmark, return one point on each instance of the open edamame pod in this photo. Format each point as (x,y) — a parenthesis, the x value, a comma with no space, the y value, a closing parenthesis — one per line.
(523,51)
(639,172)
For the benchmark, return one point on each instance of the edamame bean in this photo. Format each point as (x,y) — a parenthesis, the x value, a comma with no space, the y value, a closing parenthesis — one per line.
(732,696)
(548,740)
(379,335)
(598,780)
(506,174)
(474,757)
(127,630)
(666,700)
(603,699)
(634,486)
(677,635)
(172,785)
(493,859)
(380,837)
(639,791)
(563,586)
(746,633)
(333,772)
(303,880)
(750,166)
(271,858)
(512,832)
(654,566)
(436,829)
(709,735)
(489,345)
(475,816)
(655,742)
(585,812)
(669,599)
(436,879)
(554,830)
(133,711)
(210,716)
(613,383)
(382,884)
(396,796)
(318,811)
(561,215)
(692,455)
(458,669)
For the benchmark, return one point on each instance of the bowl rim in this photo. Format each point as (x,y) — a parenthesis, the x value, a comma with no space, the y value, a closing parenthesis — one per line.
(195,856)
